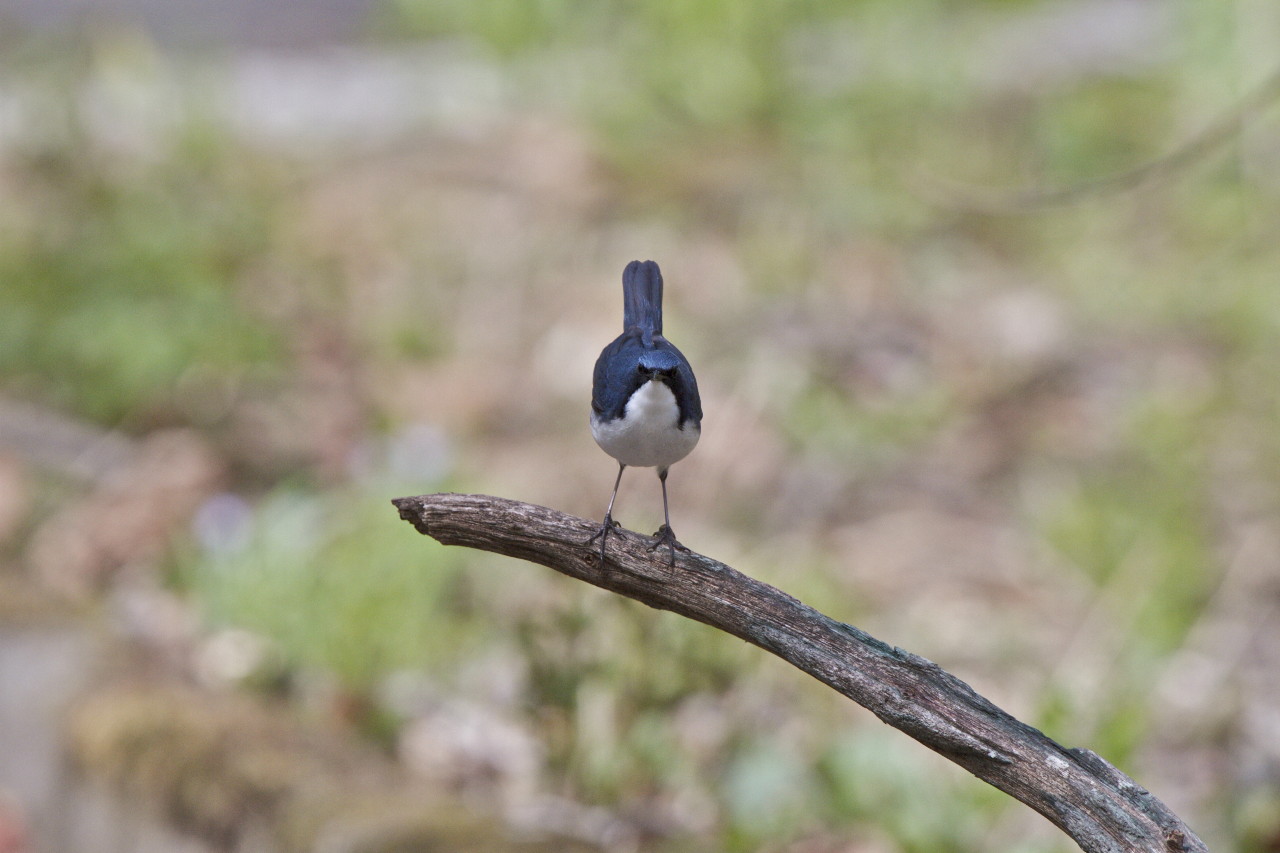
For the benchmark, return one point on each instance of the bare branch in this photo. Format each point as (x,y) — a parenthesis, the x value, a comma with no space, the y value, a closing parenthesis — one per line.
(1102,809)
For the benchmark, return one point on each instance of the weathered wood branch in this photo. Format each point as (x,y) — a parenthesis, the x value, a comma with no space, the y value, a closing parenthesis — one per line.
(1102,809)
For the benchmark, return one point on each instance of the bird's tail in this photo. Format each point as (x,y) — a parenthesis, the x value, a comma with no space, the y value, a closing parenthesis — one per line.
(642,297)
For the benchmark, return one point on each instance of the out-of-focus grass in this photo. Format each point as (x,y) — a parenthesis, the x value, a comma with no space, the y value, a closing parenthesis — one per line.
(806,143)
(119,277)
(325,578)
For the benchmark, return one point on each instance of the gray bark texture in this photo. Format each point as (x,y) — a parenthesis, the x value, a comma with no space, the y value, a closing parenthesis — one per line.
(1100,808)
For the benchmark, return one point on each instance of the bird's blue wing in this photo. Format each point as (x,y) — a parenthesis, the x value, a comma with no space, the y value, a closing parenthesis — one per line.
(615,378)
(685,387)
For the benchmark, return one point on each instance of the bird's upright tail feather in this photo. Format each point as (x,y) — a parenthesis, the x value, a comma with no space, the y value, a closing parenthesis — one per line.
(642,297)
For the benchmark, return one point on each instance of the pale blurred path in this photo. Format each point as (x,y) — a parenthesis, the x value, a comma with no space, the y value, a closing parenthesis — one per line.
(285,24)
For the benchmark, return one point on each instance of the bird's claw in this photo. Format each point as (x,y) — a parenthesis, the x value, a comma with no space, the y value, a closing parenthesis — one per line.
(602,533)
(666,536)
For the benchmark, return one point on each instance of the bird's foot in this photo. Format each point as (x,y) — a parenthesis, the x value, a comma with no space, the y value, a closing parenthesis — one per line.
(666,536)
(602,533)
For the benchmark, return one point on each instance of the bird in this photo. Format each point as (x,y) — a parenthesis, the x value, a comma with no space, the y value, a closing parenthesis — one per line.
(645,408)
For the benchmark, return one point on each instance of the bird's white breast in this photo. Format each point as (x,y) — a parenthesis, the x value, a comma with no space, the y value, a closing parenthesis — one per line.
(647,435)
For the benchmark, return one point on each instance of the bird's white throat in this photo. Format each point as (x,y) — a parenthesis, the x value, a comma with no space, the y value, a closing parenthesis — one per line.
(648,433)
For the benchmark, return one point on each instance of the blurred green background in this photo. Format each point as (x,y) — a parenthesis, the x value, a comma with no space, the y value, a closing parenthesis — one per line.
(251,289)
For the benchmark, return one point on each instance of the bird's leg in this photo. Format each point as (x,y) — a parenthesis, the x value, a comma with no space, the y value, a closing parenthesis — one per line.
(665,535)
(603,533)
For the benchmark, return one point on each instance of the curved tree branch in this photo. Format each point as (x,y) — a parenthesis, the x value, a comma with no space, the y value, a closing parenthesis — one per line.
(1102,809)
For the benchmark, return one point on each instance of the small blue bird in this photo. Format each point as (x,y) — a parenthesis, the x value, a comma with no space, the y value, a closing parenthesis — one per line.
(645,409)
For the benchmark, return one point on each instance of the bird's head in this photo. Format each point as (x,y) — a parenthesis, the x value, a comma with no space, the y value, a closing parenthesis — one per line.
(657,374)
(657,369)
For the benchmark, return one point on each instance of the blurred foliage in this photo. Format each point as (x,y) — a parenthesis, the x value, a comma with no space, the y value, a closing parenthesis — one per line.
(326,578)
(118,277)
